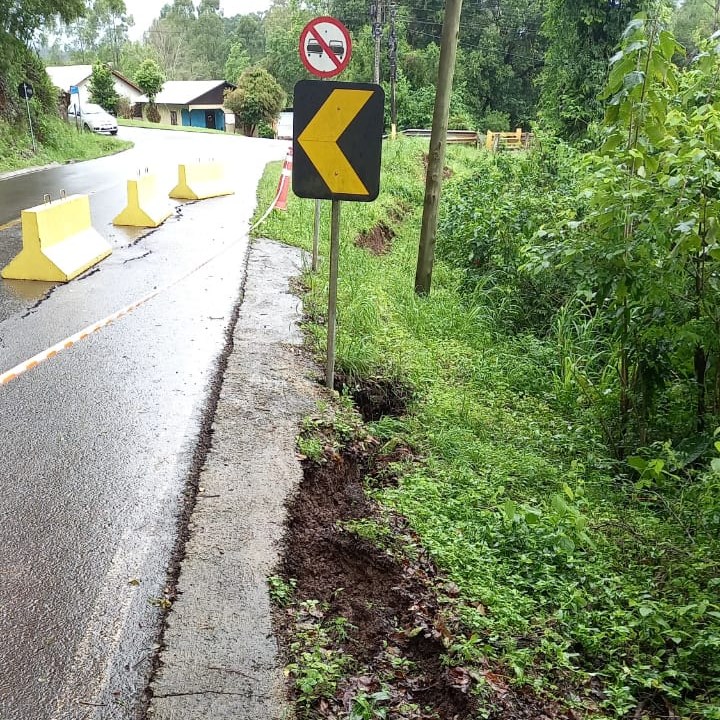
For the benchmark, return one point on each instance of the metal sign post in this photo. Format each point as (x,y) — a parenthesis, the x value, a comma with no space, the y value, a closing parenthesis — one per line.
(337,145)
(74,90)
(25,90)
(316,236)
(332,293)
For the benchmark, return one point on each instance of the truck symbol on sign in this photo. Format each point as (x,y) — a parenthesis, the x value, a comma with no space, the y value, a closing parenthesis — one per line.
(314,48)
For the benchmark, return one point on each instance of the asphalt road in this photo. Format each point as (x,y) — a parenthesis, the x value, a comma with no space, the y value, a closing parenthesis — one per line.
(97,443)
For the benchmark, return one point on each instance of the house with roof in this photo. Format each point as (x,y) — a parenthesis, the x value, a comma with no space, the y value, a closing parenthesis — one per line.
(194,103)
(64,77)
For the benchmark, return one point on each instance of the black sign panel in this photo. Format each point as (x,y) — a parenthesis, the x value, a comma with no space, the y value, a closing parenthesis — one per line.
(25,90)
(337,140)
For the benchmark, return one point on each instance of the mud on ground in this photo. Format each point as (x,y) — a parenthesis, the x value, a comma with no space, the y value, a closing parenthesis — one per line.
(369,609)
(377,240)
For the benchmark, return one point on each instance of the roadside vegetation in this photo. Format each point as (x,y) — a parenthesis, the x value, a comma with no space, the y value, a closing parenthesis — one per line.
(561,453)
(161,126)
(57,142)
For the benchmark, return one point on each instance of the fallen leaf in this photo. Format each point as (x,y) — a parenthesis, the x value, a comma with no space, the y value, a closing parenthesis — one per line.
(460,678)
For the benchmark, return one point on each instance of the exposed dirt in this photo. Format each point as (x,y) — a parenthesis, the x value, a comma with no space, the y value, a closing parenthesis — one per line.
(399,212)
(378,240)
(400,610)
(396,626)
(375,397)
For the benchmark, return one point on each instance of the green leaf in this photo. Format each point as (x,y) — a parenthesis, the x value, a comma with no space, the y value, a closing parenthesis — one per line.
(685,227)
(559,505)
(715,465)
(667,44)
(633,26)
(617,74)
(509,509)
(565,544)
(613,141)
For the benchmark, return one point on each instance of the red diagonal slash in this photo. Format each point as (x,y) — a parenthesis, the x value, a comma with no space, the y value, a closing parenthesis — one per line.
(325,46)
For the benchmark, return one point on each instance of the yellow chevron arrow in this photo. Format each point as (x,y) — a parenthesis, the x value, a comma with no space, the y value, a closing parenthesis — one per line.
(319,140)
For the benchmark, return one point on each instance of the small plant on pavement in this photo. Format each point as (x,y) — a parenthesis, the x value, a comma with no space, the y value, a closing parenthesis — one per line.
(281,592)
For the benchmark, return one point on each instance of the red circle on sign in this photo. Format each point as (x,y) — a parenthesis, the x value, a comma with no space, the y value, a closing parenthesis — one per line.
(314,46)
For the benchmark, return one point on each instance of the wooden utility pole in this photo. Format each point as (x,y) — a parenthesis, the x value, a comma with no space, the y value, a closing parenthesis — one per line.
(376,10)
(392,42)
(438,140)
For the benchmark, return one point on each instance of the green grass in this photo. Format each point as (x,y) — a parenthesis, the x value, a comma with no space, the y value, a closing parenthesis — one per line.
(58,142)
(159,126)
(572,575)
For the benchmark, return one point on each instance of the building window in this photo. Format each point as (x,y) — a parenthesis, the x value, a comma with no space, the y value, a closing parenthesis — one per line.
(173,117)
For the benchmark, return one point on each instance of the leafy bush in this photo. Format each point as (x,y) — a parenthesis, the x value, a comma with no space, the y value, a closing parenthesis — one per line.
(265,130)
(492,215)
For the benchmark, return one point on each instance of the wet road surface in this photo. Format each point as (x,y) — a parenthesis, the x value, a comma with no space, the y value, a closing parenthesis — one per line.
(97,443)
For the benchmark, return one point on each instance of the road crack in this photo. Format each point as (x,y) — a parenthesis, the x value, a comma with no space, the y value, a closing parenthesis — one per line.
(201,692)
(38,303)
(137,257)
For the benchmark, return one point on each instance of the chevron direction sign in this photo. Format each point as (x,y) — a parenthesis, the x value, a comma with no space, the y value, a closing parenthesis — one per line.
(337,140)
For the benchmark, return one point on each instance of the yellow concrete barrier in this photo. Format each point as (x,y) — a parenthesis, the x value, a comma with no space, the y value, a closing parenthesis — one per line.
(145,207)
(59,242)
(197,181)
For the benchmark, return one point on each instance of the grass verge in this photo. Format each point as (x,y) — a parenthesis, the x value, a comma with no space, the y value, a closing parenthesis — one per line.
(160,126)
(57,142)
(579,584)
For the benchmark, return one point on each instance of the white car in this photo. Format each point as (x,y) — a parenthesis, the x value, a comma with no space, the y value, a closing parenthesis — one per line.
(93,117)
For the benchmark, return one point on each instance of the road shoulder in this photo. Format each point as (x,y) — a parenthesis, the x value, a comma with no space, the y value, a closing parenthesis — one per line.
(219,657)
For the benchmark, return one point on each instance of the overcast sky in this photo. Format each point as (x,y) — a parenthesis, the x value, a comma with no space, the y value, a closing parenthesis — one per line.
(145,11)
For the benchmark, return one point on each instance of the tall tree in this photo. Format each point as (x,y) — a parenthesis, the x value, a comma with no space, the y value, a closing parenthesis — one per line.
(283,25)
(150,80)
(502,56)
(102,88)
(238,61)
(581,35)
(21,19)
(208,42)
(113,23)
(695,20)
(249,30)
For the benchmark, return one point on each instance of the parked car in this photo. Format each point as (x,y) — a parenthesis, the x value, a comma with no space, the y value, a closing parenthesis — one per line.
(93,117)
